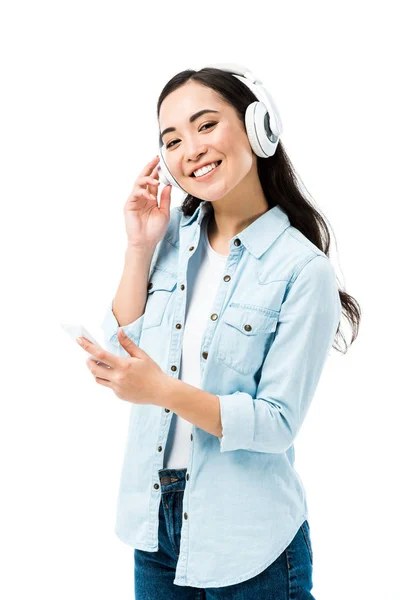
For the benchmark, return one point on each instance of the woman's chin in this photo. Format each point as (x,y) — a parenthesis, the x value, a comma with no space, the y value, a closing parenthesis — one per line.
(211,193)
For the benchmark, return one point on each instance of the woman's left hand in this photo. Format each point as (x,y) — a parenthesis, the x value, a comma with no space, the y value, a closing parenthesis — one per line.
(137,379)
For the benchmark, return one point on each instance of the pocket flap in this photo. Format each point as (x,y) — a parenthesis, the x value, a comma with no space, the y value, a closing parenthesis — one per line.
(249,320)
(161,280)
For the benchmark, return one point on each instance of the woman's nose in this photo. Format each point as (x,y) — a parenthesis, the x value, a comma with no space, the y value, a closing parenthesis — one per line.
(193,152)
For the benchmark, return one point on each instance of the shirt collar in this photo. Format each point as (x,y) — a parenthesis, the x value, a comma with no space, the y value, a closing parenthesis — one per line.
(258,236)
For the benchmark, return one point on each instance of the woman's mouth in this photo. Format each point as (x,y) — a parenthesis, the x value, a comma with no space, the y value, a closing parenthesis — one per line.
(207,175)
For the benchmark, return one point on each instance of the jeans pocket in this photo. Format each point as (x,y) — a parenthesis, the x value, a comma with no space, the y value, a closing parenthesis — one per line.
(305,528)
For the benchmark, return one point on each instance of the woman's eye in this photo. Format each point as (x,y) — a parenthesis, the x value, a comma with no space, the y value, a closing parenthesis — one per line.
(205,125)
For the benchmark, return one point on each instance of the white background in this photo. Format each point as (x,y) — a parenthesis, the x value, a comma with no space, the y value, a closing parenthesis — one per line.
(80,82)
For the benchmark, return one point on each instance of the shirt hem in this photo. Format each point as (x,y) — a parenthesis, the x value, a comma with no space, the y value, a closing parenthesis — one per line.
(133,544)
(186,581)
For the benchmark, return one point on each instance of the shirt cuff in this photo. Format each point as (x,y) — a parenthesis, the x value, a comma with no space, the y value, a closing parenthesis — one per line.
(237,418)
(110,328)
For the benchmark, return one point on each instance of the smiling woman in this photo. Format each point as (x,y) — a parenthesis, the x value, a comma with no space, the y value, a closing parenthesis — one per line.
(241,338)
(193,141)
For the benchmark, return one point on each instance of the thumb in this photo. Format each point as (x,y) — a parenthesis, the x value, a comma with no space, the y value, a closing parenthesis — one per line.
(129,345)
(126,341)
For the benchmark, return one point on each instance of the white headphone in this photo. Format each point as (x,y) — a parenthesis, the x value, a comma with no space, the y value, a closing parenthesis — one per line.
(262,120)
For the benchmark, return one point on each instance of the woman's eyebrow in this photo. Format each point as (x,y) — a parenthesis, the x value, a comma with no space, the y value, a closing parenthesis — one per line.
(191,119)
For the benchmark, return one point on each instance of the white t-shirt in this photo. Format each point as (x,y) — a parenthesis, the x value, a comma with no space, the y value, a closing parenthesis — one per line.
(206,267)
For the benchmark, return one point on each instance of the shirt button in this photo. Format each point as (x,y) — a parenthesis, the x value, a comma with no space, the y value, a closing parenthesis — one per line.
(156,486)
(191,248)
(178,326)
(191,437)
(205,354)
(173,368)
(159,448)
(150,286)
(182,286)
(185,515)
(187,476)
(248,327)
(237,242)
(227,278)
(214,317)
(167,409)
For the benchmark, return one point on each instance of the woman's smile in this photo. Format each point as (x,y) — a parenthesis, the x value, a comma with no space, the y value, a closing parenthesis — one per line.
(207,175)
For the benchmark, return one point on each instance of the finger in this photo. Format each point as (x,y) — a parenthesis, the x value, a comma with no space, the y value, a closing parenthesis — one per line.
(103,382)
(150,166)
(147,180)
(155,178)
(153,187)
(98,352)
(100,371)
(151,184)
(165,200)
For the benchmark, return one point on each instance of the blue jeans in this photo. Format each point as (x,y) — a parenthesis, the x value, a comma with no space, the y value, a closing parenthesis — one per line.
(289,576)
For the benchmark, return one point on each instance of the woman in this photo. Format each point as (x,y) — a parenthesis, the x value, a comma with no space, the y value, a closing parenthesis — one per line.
(240,311)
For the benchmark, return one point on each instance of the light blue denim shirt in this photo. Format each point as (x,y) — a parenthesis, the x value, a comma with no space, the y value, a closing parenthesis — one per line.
(271,328)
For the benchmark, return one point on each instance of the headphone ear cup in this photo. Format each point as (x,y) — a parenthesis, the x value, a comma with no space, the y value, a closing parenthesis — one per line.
(251,131)
(256,121)
(161,175)
(164,173)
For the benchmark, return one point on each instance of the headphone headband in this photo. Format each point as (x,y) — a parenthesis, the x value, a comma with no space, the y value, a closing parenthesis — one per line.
(257,87)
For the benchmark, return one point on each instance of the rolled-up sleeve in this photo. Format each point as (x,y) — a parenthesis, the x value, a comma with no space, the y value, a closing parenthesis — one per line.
(308,321)
(110,329)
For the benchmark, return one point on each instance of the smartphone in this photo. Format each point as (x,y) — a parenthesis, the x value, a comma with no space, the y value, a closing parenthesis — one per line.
(79,331)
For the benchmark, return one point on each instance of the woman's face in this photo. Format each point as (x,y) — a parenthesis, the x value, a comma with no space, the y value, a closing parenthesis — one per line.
(211,137)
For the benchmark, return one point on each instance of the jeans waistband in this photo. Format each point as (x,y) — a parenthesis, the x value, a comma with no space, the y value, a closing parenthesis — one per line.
(172,479)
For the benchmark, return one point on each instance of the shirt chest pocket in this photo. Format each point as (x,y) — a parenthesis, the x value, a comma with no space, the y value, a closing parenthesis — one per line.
(246,335)
(160,290)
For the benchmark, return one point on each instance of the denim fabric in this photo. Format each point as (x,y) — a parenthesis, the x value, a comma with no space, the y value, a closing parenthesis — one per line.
(289,577)
(271,327)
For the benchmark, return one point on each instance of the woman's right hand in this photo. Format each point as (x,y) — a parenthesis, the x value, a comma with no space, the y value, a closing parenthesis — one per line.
(145,221)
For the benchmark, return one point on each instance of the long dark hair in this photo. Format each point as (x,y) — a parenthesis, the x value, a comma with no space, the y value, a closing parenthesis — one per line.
(278,178)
